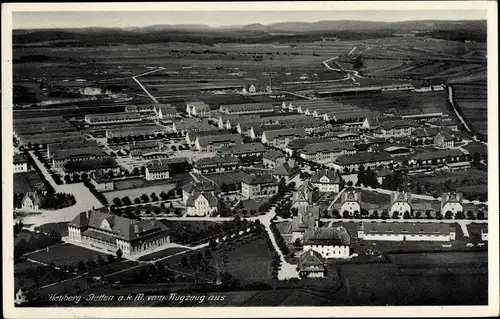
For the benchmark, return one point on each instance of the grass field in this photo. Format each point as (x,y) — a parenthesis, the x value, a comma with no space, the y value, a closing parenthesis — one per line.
(385,284)
(137,192)
(65,254)
(248,261)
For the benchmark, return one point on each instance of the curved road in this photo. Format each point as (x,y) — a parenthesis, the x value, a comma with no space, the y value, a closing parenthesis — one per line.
(85,200)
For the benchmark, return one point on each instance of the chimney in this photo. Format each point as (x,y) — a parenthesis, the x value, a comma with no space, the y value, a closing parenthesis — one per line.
(88,213)
(136,228)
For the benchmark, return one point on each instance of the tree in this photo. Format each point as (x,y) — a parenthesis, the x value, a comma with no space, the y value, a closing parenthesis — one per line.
(81,266)
(119,254)
(91,263)
(144,198)
(297,243)
(163,196)
(385,214)
(100,260)
(117,202)
(480,215)
(154,197)
(349,183)
(346,214)
(448,215)
(418,214)
(461,215)
(137,200)
(76,177)
(439,215)
(356,214)
(126,201)
(375,214)
(406,215)
(395,215)
(224,188)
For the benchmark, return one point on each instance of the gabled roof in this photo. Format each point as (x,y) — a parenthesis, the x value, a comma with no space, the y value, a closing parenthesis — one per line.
(35,197)
(19,159)
(212,200)
(310,259)
(452,197)
(400,197)
(158,166)
(203,186)
(217,161)
(254,179)
(405,228)
(363,157)
(273,155)
(82,151)
(398,124)
(426,132)
(438,154)
(121,227)
(337,236)
(372,121)
(351,195)
(333,176)
(287,168)
(298,132)
(328,147)
(243,148)
(446,137)
(217,139)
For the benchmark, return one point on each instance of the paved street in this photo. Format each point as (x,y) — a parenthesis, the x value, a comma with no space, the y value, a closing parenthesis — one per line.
(85,200)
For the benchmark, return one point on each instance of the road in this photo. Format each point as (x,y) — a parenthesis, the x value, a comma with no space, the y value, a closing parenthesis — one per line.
(85,200)
(458,114)
(143,88)
(335,199)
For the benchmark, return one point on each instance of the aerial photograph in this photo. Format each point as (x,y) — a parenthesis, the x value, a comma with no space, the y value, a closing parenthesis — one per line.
(249,159)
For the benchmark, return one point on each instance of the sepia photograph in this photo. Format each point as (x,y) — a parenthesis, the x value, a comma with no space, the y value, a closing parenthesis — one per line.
(250,159)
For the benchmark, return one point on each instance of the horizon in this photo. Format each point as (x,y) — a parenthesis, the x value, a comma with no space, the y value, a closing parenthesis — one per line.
(31,20)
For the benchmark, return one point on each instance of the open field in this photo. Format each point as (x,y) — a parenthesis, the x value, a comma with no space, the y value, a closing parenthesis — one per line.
(65,254)
(248,261)
(385,284)
(137,192)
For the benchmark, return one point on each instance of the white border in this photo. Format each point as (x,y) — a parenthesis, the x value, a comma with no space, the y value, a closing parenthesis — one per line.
(238,312)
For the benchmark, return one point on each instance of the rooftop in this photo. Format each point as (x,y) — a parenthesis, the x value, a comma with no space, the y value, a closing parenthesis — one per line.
(335,236)
(406,228)
(363,157)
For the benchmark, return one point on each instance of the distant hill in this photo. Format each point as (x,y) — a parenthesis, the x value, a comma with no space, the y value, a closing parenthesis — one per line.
(255,33)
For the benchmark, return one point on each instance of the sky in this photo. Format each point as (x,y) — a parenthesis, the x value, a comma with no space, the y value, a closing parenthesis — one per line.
(121,19)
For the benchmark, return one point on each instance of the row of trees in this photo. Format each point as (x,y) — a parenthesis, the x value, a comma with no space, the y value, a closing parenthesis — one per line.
(131,138)
(279,239)
(57,201)
(144,198)
(385,214)
(96,193)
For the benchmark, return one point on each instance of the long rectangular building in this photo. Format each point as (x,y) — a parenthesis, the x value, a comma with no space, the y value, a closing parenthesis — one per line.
(406,232)
(247,108)
(120,117)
